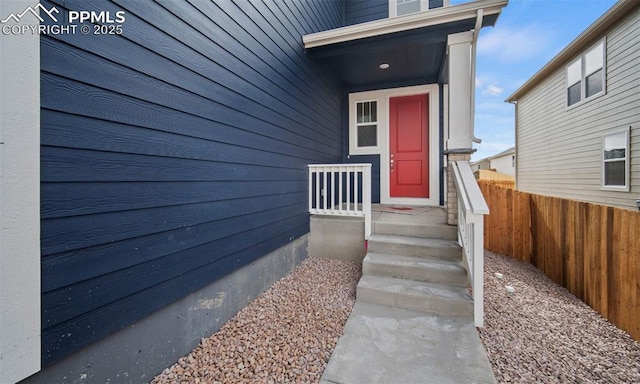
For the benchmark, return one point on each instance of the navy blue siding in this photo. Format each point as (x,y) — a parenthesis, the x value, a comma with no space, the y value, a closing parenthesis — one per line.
(362,11)
(175,153)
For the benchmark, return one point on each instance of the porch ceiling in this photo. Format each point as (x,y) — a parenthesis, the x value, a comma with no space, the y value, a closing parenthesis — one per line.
(414,46)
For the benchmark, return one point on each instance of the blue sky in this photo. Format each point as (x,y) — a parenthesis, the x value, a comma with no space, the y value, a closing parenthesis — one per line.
(527,35)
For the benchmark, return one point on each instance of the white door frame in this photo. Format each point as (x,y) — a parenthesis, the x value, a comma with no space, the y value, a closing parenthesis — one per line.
(382,149)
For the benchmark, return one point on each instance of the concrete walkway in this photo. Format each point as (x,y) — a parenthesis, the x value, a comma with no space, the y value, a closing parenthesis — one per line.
(382,344)
(396,346)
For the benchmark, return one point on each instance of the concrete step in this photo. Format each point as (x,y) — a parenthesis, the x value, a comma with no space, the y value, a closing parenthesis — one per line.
(415,268)
(432,231)
(412,295)
(382,345)
(415,246)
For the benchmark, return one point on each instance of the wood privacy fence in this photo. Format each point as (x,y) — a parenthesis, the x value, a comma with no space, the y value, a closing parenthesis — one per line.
(592,250)
(500,183)
(495,178)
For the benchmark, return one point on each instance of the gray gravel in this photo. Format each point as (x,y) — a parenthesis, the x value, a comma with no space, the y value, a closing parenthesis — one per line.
(543,334)
(285,336)
(539,334)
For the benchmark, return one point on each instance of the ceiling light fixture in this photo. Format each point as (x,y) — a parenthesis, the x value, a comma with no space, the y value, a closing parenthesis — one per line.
(384,66)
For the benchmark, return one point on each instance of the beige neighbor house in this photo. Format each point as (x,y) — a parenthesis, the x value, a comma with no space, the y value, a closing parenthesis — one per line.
(503,162)
(578,118)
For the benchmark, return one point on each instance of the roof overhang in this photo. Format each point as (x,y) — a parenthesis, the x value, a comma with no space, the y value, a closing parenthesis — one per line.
(414,45)
(577,46)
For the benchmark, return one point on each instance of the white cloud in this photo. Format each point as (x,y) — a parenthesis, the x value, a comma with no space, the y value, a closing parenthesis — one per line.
(492,90)
(514,44)
(489,83)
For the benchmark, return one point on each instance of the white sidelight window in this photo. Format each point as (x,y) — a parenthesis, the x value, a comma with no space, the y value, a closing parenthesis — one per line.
(615,161)
(586,75)
(367,124)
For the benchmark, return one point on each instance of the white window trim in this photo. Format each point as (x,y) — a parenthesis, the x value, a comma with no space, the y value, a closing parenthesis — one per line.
(353,126)
(393,7)
(382,149)
(627,160)
(626,187)
(583,84)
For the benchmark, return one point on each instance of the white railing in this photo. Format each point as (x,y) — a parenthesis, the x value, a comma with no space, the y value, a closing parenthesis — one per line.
(471,210)
(341,190)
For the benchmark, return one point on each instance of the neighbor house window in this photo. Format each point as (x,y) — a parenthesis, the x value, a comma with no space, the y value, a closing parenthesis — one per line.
(586,75)
(615,158)
(367,124)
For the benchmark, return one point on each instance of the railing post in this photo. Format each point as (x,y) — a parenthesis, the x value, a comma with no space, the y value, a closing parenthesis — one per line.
(366,200)
(340,208)
(348,199)
(324,189)
(310,189)
(317,177)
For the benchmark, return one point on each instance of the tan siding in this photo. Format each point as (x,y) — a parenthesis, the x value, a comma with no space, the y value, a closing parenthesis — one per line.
(559,148)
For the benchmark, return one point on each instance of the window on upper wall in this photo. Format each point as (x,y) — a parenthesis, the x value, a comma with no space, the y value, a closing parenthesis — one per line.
(406,7)
(615,161)
(586,75)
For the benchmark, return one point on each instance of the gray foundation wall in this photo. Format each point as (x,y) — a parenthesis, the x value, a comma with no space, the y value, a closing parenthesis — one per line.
(334,237)
(139,352)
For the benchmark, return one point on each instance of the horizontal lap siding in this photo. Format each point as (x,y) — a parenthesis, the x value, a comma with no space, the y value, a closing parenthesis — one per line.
(174,154)
(362,11)
(559,149)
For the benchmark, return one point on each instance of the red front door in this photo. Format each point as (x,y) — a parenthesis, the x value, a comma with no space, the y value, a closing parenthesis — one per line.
(409,146)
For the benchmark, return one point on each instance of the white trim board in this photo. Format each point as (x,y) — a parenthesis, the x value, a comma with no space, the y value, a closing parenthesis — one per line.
(19,202)
(382,148)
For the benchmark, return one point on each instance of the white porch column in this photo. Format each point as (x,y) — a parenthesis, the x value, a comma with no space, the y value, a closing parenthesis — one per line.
(19,199)
(460,87)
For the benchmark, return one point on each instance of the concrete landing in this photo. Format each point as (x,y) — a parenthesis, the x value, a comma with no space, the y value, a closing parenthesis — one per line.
(396,346)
